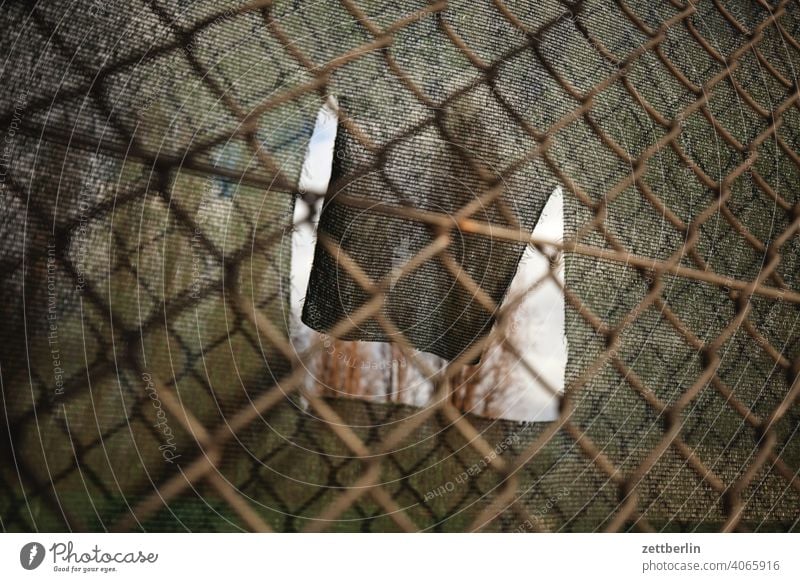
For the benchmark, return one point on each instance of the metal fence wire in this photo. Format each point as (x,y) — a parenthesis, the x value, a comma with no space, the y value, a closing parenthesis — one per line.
(151,157)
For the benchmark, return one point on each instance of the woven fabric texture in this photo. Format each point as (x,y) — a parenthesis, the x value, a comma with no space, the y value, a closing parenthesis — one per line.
(150,159)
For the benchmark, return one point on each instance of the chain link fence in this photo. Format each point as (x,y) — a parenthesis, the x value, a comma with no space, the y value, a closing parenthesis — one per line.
(150,166)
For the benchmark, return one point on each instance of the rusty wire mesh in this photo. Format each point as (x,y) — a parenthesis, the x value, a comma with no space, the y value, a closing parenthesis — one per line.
(673,129)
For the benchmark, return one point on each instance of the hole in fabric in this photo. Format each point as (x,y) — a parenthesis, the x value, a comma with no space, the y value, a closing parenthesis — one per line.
(508,383)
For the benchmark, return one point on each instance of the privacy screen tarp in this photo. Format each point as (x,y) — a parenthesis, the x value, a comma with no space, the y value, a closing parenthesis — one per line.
(150,160)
